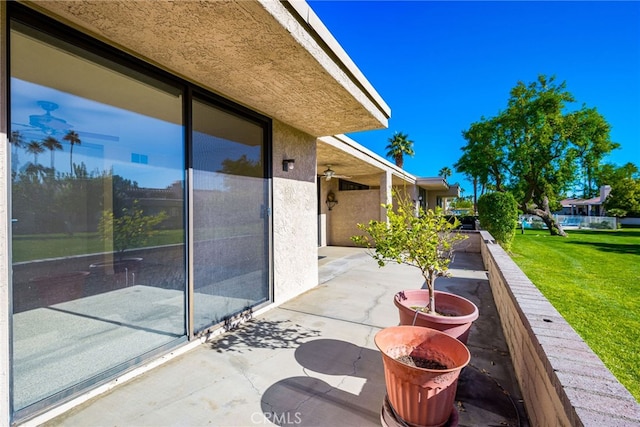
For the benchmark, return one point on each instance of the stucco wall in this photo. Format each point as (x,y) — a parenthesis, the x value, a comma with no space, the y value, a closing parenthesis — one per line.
(562,381)
(353,207)
(295,239)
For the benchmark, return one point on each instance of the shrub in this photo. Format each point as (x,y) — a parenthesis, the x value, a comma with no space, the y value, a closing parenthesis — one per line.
(498,214)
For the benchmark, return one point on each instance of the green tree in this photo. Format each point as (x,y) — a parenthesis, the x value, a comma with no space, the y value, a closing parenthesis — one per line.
(242,166)
(445,172)
(481,161)
(609,174)
(498,214)
(132,229)
(73,139)
(399,145)
(52,145)
(625,197)
(536,148)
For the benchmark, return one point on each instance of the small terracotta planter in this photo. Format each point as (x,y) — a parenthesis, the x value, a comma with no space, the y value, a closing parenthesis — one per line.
(460,312)
(421,396)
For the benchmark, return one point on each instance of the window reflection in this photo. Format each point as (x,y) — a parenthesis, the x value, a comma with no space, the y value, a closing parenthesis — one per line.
(229,217)
(97,212)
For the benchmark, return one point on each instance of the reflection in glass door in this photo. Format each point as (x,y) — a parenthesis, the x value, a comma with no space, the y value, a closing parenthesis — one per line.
(229,215)
(97,187)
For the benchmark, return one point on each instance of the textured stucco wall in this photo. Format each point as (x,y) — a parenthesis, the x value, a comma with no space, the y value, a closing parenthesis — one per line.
(295,238)
(353,207)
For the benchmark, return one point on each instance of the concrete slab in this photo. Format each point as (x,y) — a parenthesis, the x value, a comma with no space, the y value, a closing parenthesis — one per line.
(312,361)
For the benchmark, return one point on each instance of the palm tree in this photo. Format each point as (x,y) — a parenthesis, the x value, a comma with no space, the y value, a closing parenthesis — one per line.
(73,139)
(35,148)
(445,172)
(398,146)
(52,144)
(17,141)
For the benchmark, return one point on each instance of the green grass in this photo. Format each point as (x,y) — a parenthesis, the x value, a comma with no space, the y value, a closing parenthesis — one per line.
(43,246)
(593,279)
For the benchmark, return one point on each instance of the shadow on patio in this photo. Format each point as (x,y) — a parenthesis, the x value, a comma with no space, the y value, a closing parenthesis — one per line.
(312,361)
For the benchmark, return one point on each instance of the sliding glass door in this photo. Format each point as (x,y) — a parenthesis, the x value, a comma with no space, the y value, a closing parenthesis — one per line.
(230,214)
(98,242)
(140,212)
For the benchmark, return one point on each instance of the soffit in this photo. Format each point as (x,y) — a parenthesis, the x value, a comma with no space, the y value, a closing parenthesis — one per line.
(258,53)
(355,161)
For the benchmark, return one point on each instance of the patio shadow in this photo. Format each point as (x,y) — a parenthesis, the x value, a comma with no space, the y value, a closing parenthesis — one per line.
(342,380)
(263,334)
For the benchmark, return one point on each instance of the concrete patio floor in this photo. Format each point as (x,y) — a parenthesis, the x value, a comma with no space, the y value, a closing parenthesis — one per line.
(312,361)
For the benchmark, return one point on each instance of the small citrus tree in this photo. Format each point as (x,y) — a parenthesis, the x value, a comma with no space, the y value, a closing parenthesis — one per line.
(418,238)
(132,230)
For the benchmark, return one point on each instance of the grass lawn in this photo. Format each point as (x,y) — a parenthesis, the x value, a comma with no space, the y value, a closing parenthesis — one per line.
(593,280)
(43,246)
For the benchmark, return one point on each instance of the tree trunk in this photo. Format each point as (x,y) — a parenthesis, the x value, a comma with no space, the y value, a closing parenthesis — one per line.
(555,229)
(475,196)
(431,279)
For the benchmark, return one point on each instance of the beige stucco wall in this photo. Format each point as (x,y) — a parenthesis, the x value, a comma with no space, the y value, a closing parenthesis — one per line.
(295,241)
(353,207)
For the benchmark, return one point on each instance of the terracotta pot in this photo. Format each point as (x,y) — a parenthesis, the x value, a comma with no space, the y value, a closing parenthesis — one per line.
(421,396)
(460,312)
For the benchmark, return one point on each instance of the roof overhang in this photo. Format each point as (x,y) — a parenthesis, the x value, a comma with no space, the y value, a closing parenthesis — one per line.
(274,57)
(347,157)
(437,183)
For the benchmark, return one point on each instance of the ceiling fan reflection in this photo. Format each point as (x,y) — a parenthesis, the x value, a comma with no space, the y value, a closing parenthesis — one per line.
(52,125)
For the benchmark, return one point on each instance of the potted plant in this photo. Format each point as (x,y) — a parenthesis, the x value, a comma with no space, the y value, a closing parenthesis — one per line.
(131,229)
(425,240)
(421,371)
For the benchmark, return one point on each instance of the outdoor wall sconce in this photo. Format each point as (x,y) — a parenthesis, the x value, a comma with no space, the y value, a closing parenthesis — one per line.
(287,165)
(331,200)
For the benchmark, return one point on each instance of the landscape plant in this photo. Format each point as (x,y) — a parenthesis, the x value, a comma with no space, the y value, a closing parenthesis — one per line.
(414,237)
(498,214)
(132,229)
(538,148)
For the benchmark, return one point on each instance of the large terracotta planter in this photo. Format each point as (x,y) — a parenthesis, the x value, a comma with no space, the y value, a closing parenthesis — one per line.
(421,396)
(460,312)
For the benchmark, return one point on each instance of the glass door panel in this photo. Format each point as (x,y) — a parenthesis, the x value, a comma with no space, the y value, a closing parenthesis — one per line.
(98,217)
(230,221)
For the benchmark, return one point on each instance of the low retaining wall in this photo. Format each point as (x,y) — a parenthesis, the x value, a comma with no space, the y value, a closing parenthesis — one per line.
(562,381)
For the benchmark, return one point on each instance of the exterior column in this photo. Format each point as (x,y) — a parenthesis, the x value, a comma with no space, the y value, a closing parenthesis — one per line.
(5,235)
(385,193)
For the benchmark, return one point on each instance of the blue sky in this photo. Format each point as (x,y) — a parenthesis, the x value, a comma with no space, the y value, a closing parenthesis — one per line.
(443,65)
